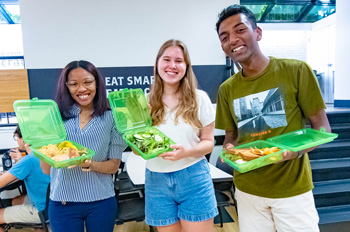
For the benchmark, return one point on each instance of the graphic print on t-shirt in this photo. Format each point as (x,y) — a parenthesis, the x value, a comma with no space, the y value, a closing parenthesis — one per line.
(258,113)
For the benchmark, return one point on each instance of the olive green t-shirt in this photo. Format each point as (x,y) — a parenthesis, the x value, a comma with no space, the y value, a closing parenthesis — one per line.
(273,103)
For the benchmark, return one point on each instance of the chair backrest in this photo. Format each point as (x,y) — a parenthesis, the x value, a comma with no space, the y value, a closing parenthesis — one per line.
(224,185)
(130,200)
(207,156)
(45,211)
(119,172)
(224,166)
(130,210)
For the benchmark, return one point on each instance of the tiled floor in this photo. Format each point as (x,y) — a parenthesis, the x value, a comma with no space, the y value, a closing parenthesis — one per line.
(143,227)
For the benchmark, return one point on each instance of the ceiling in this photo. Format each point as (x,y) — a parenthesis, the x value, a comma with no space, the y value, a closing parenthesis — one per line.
(266,11)
(290,11)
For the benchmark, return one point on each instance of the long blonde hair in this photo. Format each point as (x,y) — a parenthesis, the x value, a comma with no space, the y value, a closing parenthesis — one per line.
(188,105)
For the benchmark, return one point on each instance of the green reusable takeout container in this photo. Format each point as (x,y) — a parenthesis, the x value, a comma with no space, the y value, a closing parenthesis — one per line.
(256,163)
(293,141)
(41,124)
(132,116)
(304,138)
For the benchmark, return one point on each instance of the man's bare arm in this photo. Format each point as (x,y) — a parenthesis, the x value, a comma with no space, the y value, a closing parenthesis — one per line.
(230,139)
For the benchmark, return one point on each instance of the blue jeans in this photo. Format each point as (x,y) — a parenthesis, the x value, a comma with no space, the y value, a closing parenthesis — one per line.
(71,216)
(187,194)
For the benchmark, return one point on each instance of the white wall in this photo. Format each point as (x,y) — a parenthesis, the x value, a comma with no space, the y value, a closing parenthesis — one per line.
(342,51)
(285,40)
(311,42)
(11,44)
(117,33)
(321,54)
(321,47)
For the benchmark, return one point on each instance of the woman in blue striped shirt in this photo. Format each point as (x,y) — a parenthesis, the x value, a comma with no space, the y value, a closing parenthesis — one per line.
(85,194)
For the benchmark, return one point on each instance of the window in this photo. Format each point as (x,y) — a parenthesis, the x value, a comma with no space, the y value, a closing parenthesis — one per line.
(8,118)
(286,11)
(11,45)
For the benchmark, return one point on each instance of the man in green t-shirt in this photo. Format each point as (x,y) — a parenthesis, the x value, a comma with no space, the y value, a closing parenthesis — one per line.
(268,97)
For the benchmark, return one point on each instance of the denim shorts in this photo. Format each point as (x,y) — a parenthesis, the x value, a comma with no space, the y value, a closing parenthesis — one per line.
(187,194)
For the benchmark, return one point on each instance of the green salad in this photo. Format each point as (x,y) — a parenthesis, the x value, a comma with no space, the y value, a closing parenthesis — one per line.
(150,141)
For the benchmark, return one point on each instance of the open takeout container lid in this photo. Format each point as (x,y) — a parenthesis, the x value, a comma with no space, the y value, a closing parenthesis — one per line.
(41,124)
(303,139)
(130,110)
(40,121)
(131,116)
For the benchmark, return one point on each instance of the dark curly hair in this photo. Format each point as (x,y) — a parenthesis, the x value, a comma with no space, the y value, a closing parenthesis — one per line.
(233,10)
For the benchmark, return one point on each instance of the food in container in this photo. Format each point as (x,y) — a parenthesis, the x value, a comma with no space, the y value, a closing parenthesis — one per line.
(42,127)
(132,117)
(149,141)
(251,153)
(257,154)
(62,151)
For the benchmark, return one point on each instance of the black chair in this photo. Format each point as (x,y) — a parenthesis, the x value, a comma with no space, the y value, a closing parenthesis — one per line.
(124,186)
(221,187)
(130,198)
(222,201)
(15,184)
(226,185)
(43,215)
(132,209)
(122,174)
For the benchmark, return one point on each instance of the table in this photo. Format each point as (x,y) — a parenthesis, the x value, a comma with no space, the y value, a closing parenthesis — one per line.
(12,185)
(12,189)
(136,166)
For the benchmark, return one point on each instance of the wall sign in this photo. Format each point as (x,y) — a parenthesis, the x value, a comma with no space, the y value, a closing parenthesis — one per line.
(42,82)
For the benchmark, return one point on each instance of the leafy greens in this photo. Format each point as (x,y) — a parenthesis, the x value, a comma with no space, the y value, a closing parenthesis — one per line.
(150,141)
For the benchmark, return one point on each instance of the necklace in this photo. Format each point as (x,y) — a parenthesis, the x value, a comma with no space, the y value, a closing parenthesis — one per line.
(171,108)
(85,117)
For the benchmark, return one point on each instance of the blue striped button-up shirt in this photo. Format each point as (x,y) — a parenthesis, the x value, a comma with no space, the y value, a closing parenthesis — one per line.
(101,136)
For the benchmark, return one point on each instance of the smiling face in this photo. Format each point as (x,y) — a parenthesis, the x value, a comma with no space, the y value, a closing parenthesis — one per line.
(172,66)
(82,87)
(238,39)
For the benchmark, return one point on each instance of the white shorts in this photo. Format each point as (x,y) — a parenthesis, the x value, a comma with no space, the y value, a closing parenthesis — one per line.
(292,214)
(26,213)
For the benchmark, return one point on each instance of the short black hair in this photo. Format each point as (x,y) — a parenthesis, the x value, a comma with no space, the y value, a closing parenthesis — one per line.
(18,132)
(233,10)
